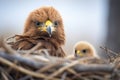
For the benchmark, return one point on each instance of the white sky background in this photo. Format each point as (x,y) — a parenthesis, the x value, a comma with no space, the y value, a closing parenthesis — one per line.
(83,19)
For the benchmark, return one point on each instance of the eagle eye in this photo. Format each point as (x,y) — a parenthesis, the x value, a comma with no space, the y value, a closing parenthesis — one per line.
(56,23)
(38,24)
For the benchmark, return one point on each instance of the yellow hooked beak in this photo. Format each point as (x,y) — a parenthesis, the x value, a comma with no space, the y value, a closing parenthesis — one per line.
(48,27)
(78,53)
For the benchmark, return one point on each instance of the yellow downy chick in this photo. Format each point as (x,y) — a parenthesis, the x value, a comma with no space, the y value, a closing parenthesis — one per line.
(84,49)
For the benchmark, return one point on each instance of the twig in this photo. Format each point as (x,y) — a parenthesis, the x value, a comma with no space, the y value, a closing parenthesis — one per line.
(7,47)
(79,75)
(11,37)
(64,76)
(41,70)
(33,49)
(109,51)
(22,59)
(38,58)
(106,52)
(47,67)
(6,72)
(4,76)
(96,77)
(62,69)
(94,67)
(72,71)
(23,70)
(111,57)
(25,78)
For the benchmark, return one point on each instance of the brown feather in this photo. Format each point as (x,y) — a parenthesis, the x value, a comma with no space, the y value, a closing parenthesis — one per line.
(31,35)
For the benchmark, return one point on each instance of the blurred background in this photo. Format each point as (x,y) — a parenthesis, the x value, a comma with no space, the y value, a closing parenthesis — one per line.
(89,20)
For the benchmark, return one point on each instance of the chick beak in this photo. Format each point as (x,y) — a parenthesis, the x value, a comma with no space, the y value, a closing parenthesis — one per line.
(78,54)
(49,27)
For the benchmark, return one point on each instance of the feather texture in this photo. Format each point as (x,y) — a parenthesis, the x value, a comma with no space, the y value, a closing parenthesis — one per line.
(32,35)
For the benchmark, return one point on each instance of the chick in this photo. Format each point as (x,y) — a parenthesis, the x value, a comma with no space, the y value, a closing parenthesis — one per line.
(84,49)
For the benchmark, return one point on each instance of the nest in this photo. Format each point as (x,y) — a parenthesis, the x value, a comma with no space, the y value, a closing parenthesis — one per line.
(39,65)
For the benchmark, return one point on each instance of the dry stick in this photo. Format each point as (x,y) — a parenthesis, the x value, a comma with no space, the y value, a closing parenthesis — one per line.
(94,67)
(23,70)
(112,57)
(6,72)
(72,71)
(64,76)
(25,78)
(38,58)
(80,77)
(96,77)
(25,60)
(43,69)
(75,73)
(62,69)
(47,67)
(92,76)
(8,48)
(68,78)
(4,76)
(33,49)
(107,51)
(11,37)
(110,51)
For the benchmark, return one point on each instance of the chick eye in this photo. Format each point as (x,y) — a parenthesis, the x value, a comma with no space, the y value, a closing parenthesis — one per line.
(38,24)
(84,51)
(56,23)
(75,51)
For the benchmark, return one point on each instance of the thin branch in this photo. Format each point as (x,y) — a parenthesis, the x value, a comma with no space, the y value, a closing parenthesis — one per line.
(72,71)
(4,76)
(6,72)
(47,67)
(33,49)
(22,59)
(23,70)
(25,78)
(111,54)
(64,76)
(7,47)
(94,67)
(109,51)
(62,69)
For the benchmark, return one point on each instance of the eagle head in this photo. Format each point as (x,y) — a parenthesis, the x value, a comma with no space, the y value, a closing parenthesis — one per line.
(45,22)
